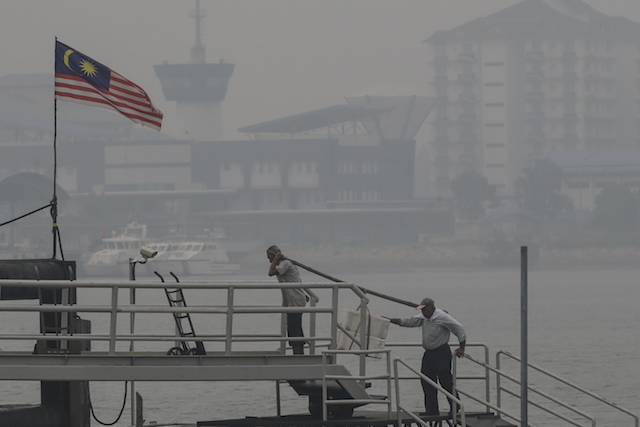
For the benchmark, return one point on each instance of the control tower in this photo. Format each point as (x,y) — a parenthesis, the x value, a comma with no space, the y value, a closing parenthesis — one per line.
(198,89)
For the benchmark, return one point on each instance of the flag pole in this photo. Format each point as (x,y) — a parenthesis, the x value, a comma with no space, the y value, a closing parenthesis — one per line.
(54,200)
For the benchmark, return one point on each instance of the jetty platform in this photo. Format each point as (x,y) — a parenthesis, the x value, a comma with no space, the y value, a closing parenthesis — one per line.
(68,356)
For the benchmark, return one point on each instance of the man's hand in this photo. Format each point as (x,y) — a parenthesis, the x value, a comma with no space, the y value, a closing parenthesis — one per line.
(394,321)
(460,352)
(278,256)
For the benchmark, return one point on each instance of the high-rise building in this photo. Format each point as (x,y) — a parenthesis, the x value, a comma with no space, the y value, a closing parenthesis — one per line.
(539,76)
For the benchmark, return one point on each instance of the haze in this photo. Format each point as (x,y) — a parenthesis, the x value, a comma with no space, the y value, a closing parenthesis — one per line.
(291,56)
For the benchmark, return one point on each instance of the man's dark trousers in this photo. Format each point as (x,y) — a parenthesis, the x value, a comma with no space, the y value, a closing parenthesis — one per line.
(436,365)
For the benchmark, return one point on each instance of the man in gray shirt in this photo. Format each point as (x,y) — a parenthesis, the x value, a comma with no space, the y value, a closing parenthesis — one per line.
(286,272)
(437,326)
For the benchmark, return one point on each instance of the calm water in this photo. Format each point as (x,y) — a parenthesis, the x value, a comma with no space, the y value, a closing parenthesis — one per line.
(583,326)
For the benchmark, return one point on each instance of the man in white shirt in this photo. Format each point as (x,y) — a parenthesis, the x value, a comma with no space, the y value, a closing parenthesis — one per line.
(437,326)
(286,272)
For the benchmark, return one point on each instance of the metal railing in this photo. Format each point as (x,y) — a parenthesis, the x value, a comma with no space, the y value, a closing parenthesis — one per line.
(457,402)
(326,377)
(484,377)
(568,383)
(117,309)
(498,407)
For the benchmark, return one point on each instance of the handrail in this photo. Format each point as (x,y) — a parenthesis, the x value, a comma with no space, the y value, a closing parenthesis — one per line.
(568,383)
(565,405)
(485,377)
(453,398)
(115,307)
(325,377)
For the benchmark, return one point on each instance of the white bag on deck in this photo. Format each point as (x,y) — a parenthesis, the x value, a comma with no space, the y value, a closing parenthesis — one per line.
(376,338)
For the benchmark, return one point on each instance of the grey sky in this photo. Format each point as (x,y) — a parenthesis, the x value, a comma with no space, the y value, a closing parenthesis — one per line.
(291,55)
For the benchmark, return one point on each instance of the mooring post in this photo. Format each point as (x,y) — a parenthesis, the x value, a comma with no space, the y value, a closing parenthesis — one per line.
(139,417)
(524,360)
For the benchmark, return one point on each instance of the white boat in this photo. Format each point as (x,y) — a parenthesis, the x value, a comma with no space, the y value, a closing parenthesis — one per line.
(198,258)
(113,258)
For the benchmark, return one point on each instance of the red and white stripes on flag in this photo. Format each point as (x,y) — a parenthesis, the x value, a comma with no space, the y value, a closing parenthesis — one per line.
(123,96)
(80,79)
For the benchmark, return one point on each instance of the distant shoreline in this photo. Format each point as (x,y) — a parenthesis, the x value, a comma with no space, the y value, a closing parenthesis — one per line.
(341,257)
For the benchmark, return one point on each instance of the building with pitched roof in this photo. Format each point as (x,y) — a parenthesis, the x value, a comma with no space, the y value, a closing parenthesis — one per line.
(536,77)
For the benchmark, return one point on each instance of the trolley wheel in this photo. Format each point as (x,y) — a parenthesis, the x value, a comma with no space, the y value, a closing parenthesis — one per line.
(315,406)
(175,351)
(341,411)
(192,351)
(335,411)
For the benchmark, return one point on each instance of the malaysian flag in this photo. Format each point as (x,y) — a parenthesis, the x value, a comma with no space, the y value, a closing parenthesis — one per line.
(86,81)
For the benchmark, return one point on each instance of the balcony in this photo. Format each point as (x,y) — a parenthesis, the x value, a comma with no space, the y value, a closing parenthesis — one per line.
(539,75)
(467,156)
(440,80)
(534,55)
(467,97)
(536,116)
(467,138)
(533,96)
(466,77)
(467,57)
(536,135)
(440,59)
(467,118)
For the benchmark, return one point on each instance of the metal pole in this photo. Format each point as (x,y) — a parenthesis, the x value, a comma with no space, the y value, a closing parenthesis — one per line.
(524,362)
(132,320)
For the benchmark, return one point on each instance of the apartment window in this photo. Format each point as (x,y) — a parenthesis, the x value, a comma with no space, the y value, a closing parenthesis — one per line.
(370,167)
(492,84)
(494,125)
(496,104)
(495,145)
(493,64)
(495,165)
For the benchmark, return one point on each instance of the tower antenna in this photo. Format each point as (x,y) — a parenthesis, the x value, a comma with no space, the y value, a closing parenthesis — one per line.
(198,51)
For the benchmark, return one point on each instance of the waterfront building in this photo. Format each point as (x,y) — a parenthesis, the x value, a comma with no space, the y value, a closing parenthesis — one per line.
(536,77)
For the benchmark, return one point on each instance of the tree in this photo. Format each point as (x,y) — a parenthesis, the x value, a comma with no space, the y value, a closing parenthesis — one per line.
(538,190)
(472,190)
(616,210)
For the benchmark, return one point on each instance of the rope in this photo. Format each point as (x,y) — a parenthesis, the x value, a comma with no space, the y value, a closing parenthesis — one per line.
(25,215)
(124,403)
